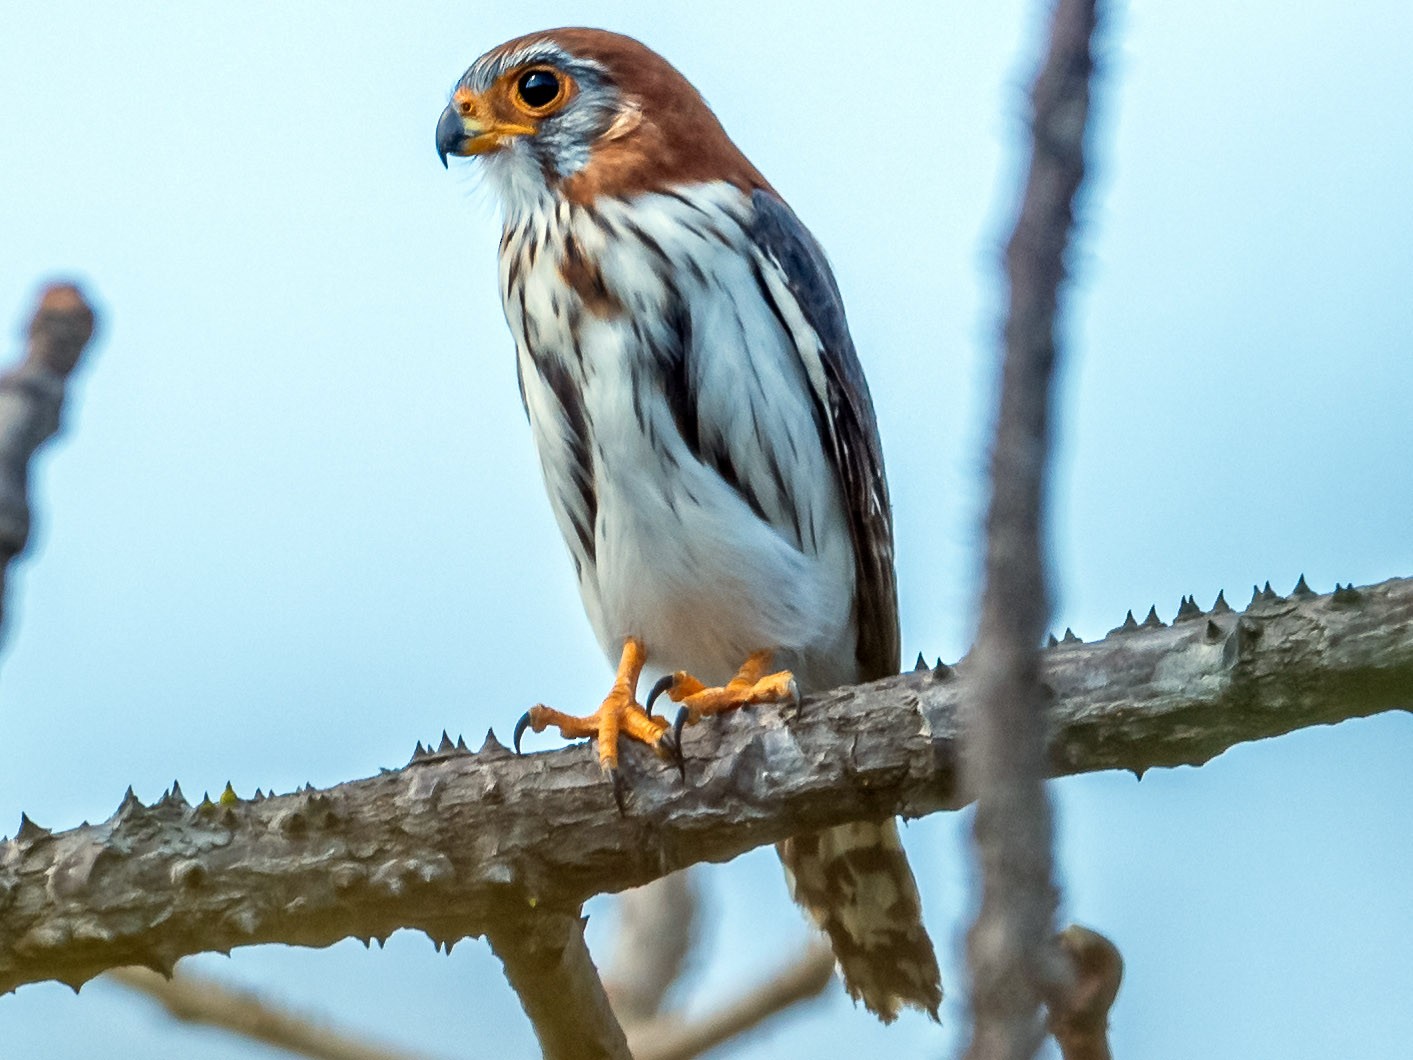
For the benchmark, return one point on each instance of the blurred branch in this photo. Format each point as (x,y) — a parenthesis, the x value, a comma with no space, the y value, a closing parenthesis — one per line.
(31,400)
(550,970)
(1080,1022)
(1014,962)
(457,842)
(654,938)
(196,999)
(678,1038)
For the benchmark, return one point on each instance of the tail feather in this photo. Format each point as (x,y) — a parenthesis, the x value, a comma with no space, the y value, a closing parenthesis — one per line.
(855,882)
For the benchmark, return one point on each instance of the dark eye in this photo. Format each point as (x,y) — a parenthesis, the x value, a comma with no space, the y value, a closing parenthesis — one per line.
(538,88)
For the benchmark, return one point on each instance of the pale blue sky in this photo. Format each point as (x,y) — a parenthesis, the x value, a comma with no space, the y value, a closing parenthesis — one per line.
(296,524)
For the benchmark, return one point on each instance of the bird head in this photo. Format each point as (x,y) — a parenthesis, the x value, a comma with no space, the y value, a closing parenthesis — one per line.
(577,113)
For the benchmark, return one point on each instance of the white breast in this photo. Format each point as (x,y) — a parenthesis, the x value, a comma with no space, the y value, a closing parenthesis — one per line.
(704,570)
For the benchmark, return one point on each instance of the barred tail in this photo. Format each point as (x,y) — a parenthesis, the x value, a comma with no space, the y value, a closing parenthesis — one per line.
(855,882)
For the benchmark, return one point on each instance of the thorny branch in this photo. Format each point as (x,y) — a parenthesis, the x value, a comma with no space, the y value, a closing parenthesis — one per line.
(458,843)
(1014,964)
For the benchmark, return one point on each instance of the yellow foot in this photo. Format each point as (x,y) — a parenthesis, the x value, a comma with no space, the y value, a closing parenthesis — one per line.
(750,685)
(619,714)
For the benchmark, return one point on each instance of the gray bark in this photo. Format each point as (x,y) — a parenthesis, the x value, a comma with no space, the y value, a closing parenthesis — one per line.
(550,970)
(457,843)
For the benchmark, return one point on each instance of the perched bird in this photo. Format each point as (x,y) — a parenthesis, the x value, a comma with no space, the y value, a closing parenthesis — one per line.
(705,432)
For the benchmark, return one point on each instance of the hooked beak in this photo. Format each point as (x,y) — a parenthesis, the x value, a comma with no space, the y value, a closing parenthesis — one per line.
(464,134)
(451,135)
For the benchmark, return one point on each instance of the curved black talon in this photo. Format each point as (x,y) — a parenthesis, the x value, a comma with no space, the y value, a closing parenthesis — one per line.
(672,744)
(520,727)
(618,790)
(661,686)
(677,742)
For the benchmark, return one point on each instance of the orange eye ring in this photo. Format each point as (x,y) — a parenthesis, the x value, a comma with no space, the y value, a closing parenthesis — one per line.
(540,90)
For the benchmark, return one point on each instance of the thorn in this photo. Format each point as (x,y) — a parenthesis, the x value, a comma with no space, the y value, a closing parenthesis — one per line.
(446,746)
(228,797)
(492,746)
(1152,621)
(921,663)
(1240,642)
(1130,624)
(1069,637)
(1301,590)
(175,796)
(1138,773)
(161,965)
(129,808)
(461,745)
(1187,610)
(1221,607)
(418,753)
(258,796)
(1262,595)
(1214,632)
(188,873)
(1346,596)
(942,671)
(29,831)
(1051,641)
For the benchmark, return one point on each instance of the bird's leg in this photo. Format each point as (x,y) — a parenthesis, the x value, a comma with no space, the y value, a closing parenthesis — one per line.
(750,685)
(618,715)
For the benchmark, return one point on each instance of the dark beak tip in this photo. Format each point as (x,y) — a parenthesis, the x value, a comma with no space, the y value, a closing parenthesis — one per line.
(450,135)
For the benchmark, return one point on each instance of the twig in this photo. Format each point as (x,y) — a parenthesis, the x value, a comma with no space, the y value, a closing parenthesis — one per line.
(458,842)
(675,1038)
(197,999)
(655,933)
(31,399)
(1010,951)
(1080,1023)
(550,970)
